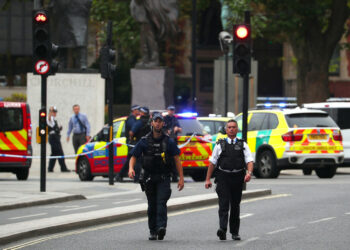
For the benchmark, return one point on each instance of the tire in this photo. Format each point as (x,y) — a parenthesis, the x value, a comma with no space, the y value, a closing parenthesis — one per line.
(326,172)
(307,171)
(84,170)
(22,174)
(200,176)
(266,165)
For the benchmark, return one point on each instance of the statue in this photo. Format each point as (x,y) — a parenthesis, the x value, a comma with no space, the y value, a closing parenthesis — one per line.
(70,25)
(158,21)
(225,15)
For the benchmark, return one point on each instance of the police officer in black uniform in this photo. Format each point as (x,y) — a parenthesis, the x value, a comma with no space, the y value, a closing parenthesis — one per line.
(55,141)
(157,149)
(234,166)
(130,121)
(140,128)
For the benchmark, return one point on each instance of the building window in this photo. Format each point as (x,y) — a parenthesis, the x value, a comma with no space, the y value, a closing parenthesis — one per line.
(334,64)
(206,78)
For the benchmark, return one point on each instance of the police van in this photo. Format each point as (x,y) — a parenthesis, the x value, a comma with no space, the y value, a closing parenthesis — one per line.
(15,138)
(338,109)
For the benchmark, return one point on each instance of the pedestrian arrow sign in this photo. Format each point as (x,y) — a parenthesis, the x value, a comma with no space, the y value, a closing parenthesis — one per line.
(42,67)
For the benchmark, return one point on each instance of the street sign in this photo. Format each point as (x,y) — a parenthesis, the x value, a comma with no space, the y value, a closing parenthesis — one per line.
(42,67)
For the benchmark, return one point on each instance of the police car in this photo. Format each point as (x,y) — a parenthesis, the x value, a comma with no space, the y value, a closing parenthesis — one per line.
(194,146)
(338,109)
(295,138)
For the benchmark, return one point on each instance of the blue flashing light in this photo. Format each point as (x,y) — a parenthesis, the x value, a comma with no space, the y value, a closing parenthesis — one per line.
(268,104)
(188,114)
(282,104)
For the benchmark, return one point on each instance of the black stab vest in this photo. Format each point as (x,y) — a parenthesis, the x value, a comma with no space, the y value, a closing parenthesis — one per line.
(232,155)
(153,161)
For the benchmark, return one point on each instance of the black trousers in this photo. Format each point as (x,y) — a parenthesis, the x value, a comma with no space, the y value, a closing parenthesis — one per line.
(229,189)
(56,150)
(78,140)
(158,193)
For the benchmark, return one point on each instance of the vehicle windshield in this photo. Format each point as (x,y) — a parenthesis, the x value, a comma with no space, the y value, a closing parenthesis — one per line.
(303,120)
(11,119)
(190,126)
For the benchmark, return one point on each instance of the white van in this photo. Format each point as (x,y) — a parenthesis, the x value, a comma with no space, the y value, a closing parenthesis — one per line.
(339,110)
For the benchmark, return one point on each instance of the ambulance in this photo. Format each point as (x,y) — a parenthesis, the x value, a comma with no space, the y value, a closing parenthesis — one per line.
(293,138)
(15,138)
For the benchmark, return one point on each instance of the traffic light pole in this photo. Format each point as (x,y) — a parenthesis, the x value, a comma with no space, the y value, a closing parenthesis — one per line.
(110,124)
(226,84)
(245,106)
(43,137)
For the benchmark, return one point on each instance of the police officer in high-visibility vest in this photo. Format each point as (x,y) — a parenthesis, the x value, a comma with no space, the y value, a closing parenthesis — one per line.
(156,150)
(234,166)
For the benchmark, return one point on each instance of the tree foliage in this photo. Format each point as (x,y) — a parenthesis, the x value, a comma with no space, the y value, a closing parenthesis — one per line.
(313,28)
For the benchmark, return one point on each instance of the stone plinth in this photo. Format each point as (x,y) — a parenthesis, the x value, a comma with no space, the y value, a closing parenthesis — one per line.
(152,87)
(63,91)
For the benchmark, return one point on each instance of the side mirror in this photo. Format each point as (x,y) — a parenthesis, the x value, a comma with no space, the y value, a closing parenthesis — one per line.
(222,130)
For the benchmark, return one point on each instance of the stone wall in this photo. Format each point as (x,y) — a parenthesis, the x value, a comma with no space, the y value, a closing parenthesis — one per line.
(63,91)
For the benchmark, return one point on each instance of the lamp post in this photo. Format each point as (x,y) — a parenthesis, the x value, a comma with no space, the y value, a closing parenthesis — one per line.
(225,40)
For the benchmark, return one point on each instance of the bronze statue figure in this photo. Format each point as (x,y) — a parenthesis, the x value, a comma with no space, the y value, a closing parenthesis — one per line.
(158,21)
(70,23)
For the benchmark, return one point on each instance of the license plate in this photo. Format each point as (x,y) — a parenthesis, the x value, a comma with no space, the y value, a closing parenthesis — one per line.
(317,137)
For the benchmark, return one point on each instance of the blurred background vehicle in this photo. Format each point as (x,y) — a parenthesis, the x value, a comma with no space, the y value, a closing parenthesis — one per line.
(339,110)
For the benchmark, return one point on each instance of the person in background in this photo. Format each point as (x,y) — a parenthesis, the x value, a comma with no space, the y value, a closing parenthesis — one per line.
(55,141)
(140,128)
(172,128)
(80,126)
(130,121)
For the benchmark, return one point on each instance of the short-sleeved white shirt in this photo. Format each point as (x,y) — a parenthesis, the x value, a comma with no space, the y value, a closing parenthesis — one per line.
(217,151)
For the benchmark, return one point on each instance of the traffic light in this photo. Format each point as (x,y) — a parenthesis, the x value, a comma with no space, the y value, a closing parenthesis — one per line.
(107,57)
(241,48)
(42,121)
(43,50)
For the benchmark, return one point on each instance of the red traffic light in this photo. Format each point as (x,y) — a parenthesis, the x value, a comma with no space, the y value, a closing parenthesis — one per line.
(40,18)
(242,32)
(42,114)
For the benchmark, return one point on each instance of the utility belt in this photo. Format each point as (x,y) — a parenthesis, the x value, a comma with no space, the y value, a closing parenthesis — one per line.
(146,177)
(234,171)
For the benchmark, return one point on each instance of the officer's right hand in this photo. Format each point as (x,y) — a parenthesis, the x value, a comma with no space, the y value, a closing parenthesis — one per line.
(208,184)
(131,174)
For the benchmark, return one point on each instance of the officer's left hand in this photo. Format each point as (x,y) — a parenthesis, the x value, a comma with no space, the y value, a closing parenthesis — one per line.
(180,184)
(247,178)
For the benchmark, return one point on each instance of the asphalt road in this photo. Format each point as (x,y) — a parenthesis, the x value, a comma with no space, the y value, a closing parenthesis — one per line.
(304,212)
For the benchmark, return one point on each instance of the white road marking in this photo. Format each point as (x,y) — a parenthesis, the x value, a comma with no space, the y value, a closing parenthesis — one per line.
(281,230)
(247,241)
(62,206)
(119,202)
(266,198)
(321,220)
(348,213)
(27,216)
(77,208)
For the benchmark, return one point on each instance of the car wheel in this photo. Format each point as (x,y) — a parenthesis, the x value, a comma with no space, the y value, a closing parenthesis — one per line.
(307,171)
(200,176)
(22,174)
(84,170)
(266,165)
(326,172)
